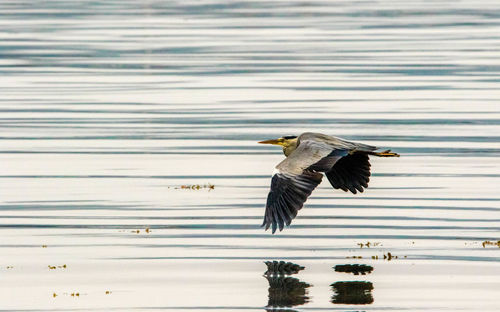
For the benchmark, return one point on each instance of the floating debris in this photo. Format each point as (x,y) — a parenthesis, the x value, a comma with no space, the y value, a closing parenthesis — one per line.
(355,269)
(53,267)
(354,257)
(108,292)
(44,246)
(282,267)
(196,187)
(147,230)
(356,292)
(369,244)
(9,267)
(490,243)
(387,257)
(73,294)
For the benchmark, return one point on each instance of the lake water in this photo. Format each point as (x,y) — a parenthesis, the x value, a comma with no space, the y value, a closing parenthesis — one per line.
(107,108)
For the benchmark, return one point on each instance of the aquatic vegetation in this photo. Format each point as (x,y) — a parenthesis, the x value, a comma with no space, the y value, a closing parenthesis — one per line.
(53,267)
(369,244)
(389,256)
(196,187)
(355,292)
(147,230)
(490,243)
(73,294)
(355,269)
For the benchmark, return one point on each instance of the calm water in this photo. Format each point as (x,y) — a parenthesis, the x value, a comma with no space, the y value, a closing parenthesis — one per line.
(108,107)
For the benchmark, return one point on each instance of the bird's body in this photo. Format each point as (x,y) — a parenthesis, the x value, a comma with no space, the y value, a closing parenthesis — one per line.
(309,156)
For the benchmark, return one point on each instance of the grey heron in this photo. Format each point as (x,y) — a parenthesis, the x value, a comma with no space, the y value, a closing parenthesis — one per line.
(308,156)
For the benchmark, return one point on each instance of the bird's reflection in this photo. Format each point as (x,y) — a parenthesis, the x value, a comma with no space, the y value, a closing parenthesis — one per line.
(355,292)
(282,268)
(355,269)
(352,292)
(285,291)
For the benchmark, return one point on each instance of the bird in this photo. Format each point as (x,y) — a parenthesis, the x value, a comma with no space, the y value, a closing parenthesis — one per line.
(309,156)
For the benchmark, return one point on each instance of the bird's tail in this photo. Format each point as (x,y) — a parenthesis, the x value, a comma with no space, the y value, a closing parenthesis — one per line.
(386,153)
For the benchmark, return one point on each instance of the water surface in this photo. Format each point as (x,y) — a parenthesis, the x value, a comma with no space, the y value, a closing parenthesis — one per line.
(108,107)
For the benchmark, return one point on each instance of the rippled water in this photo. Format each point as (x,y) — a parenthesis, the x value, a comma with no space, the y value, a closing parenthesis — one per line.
(108,107)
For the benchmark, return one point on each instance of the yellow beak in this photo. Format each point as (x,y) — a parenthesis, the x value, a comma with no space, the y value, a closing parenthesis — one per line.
(274,142)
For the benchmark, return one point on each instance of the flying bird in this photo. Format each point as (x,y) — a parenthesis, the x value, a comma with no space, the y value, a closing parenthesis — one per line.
(308,157)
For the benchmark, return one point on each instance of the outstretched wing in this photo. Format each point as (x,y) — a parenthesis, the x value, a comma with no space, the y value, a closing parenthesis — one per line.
(294,180)
(287,196)
(351,172)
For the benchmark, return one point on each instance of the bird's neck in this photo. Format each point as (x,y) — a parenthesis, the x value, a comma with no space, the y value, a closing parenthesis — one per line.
(290,147)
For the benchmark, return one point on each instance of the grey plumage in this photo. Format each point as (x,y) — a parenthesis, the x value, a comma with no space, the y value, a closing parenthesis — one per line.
(345,164)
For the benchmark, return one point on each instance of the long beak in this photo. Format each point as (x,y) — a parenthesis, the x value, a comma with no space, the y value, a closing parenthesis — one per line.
(274,142)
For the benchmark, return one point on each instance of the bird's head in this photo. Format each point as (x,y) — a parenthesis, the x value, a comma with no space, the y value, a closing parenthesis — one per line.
(289,143)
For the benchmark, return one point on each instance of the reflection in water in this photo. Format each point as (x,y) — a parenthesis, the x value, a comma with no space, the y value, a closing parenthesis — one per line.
(355,269)
(285,291)
(282,267)
(352,292)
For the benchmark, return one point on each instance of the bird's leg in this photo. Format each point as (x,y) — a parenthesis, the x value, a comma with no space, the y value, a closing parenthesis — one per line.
(386,153)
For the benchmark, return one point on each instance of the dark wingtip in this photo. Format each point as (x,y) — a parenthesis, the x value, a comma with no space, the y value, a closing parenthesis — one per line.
(274,226)
(281,224)
(266,224)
